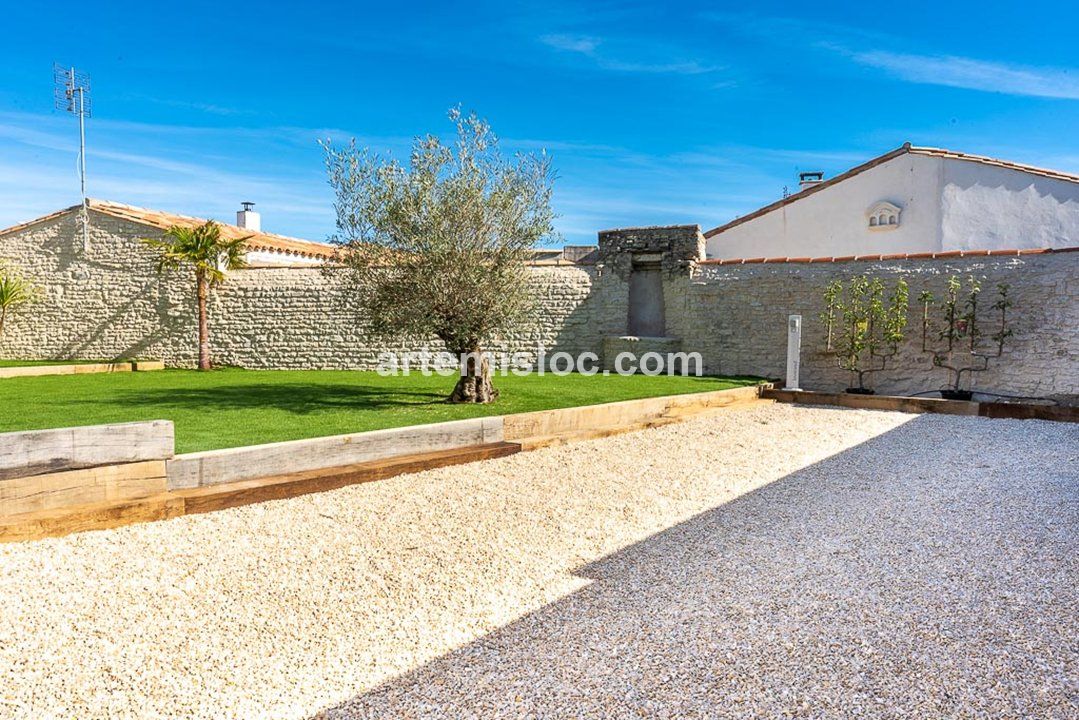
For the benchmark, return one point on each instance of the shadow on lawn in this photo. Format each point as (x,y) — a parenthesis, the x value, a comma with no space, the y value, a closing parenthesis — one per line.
(297,398)
(847,584)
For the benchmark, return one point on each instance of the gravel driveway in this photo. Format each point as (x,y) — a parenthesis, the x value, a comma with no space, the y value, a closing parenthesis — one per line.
(773,561)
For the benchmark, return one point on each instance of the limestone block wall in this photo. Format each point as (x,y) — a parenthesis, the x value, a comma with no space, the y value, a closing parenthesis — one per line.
(104,303)
(741,311)
(109,302)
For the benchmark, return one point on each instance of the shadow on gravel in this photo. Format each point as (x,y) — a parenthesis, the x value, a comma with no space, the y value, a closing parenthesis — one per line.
(903,577)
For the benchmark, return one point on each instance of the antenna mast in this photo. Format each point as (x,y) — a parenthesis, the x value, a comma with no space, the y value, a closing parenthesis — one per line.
(71,93)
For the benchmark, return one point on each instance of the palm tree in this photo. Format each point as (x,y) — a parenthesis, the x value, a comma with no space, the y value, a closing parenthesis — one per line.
(210,255)
(14,292)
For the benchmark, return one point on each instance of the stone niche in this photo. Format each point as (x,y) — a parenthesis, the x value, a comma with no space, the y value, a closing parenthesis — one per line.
(647,261)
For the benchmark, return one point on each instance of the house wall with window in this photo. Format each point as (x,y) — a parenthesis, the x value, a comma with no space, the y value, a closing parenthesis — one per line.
(835,220)
(912,203)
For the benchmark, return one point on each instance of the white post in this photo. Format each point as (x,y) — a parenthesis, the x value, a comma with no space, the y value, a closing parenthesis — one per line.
(794,351)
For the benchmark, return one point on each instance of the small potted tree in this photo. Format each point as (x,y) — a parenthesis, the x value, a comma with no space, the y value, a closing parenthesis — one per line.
(958,334)
(864,326)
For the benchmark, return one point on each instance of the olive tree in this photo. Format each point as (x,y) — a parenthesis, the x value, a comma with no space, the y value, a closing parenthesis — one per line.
(438,247)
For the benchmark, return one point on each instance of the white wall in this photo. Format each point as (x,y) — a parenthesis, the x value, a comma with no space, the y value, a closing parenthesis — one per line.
(947,204)
(833,222)
(991,208)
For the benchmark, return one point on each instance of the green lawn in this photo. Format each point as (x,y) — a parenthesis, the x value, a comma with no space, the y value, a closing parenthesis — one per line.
(230,407)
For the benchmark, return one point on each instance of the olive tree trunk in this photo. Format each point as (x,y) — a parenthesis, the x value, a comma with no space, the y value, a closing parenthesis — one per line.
(474,385)
(204,322)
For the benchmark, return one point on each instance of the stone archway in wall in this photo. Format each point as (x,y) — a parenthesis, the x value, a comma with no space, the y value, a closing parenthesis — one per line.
(642,261)
(647,309)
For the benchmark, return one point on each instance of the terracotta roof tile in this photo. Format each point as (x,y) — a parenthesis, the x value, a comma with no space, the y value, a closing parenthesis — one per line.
(907,256)
(257,241)
(982,159)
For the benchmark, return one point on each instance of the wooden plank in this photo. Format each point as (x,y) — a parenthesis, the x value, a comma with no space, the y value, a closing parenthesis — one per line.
(628,413)
(98,516)
(36,371)
(37,452)
(91,368)
(1028,411)
(35,493)
(219,497)
(564,438)
(73,369)
(214,467)
(162,506)
(874,402)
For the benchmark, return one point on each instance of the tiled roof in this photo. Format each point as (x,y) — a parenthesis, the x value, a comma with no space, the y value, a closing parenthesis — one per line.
(164,220)
(257,241)
(905,149)
(898,256)
(1032,169)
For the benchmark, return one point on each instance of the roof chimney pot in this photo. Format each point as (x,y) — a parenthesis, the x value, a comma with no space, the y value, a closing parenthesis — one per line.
(809,179)
(247,218)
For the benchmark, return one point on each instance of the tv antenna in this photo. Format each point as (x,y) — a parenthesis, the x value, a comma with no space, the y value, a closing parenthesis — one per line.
(71,93)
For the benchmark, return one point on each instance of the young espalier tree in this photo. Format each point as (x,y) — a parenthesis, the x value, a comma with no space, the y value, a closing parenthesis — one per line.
(438,247)
(864,326)
(204,250)
(15,292)
(959,334)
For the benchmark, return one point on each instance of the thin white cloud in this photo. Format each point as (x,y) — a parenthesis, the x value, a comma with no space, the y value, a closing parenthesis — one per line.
(923,68)
(616,55)
(161,167)
(584,44)
(971,74)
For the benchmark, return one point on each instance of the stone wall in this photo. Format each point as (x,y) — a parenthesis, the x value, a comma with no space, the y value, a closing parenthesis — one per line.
(741,325)
(109,303)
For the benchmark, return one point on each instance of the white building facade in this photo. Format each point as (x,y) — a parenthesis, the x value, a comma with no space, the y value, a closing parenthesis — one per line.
(911,200)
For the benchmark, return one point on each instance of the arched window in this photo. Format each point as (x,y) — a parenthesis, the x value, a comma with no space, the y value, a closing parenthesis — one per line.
(883,216)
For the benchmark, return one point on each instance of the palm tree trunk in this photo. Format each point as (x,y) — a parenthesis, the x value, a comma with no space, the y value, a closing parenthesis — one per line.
(204,323)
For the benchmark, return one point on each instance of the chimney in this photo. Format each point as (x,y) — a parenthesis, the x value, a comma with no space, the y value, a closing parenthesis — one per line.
(248,218)
(809,179)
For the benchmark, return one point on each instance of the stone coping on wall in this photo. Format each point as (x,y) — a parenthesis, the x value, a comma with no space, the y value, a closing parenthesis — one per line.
(898,256)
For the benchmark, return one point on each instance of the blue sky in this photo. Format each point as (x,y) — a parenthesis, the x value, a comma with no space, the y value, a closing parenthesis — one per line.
(653,113)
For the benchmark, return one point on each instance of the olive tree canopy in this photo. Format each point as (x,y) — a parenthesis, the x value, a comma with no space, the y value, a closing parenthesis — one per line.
(439,247)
